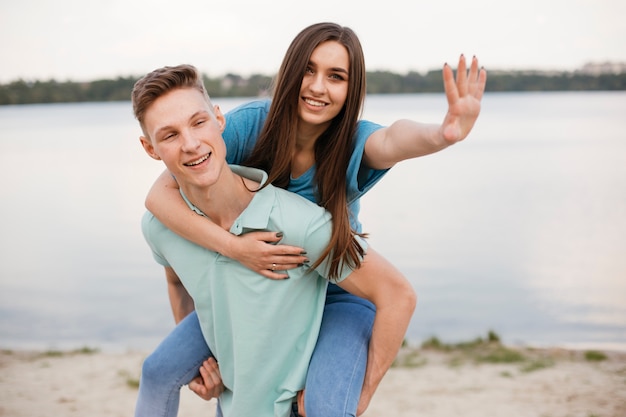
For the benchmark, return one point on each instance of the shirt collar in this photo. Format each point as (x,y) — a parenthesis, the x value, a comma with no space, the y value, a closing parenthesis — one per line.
(256,215)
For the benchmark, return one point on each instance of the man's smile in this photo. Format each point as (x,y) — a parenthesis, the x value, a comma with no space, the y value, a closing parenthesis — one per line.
(198,161)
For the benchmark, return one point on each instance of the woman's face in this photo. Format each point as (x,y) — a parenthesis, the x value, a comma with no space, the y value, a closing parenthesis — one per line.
(324,87)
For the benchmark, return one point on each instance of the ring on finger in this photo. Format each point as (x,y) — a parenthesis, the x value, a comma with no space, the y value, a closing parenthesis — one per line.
(273,267)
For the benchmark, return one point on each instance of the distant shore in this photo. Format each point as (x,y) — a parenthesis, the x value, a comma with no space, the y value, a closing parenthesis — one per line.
(470,379)
(258,85)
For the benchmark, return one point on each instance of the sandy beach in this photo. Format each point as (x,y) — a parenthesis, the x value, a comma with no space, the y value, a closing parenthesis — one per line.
(489,381)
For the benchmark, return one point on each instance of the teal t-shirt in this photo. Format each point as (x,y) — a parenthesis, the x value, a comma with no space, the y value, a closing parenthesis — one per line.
(261,331)
(243,126)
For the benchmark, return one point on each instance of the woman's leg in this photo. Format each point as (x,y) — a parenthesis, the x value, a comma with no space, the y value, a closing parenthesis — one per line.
(337,368)
(174,363)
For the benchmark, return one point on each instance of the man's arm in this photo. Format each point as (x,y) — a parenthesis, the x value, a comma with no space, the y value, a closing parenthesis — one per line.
(381,283)
(209,384)
(180,300)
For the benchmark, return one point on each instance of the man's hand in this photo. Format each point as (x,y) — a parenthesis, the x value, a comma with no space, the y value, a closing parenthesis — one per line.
(301,410)
(209,384)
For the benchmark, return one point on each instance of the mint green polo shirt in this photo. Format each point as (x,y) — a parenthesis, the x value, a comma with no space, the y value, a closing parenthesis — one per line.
(261,331)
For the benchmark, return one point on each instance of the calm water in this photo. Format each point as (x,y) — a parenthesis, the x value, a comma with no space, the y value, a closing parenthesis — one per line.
(520,229)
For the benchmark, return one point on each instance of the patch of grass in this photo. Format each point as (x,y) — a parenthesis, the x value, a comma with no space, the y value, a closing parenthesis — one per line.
(493,337)
(482,350)
(537,365)
(456,362)
(86,350)
(490,350)
(409,358)
(52,354)
(433,343)
(131,381)
(595,356)
(500,354)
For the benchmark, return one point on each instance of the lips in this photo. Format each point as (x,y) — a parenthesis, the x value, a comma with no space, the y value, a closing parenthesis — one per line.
(198,161)
(314,103)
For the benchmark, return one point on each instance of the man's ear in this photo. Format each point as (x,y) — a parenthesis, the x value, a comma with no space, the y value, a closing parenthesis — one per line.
(221,120)
(147,146)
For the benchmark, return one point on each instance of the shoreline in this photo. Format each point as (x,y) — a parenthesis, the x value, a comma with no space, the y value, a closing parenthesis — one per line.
(474,379)
(151,343)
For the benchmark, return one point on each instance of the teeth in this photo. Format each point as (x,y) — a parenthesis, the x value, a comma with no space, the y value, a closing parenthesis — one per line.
(198,161)
(314,103)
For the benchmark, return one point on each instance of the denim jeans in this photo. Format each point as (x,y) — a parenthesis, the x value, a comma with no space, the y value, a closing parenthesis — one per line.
(335,376)
(174,363)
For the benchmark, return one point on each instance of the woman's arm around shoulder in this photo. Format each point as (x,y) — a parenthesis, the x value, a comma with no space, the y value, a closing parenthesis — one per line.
(257,251)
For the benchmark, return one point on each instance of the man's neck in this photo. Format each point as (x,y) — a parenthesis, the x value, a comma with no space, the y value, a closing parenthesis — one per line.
(224,201)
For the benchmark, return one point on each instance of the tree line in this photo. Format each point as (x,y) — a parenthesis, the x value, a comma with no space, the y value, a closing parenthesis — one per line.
(378,82)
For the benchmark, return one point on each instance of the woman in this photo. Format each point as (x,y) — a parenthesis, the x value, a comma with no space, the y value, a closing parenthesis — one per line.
(310,141)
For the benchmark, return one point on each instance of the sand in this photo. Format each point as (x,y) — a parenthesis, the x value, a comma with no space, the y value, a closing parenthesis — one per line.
(434,383)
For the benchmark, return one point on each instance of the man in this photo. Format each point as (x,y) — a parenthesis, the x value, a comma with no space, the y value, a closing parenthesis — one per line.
(261,331)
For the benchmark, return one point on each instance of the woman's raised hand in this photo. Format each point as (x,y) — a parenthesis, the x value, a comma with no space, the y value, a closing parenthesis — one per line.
(464,95)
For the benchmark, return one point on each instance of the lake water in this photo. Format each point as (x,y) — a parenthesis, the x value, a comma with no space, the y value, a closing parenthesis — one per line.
(520,229)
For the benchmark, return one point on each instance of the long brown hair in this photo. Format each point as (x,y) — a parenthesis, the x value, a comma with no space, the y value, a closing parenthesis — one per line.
(274,148)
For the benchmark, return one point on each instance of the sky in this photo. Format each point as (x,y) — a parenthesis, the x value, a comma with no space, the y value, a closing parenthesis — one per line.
(84,40)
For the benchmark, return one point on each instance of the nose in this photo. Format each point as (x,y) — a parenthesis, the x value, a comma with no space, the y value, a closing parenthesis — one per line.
(318,83)
(190,141)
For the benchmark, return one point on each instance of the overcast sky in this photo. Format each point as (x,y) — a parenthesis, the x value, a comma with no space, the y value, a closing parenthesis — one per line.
(83,40)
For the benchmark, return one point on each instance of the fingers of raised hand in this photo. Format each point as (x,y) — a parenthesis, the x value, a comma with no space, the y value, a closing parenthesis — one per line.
(452,93)
(470,82)
(477,79)
(461,76)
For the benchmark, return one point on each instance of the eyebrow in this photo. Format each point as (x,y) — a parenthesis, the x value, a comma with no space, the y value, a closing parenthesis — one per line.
(339,69)
(333,69)
(193,116)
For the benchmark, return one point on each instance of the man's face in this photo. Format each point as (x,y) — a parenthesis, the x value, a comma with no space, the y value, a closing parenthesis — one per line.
(185,134)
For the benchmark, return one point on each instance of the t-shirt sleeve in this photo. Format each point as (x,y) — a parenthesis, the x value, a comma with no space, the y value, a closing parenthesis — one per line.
(151,226)
(360,177)
(243,127)
(317,237)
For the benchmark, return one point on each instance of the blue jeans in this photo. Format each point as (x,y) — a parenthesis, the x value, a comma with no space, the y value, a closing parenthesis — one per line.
(335,376)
